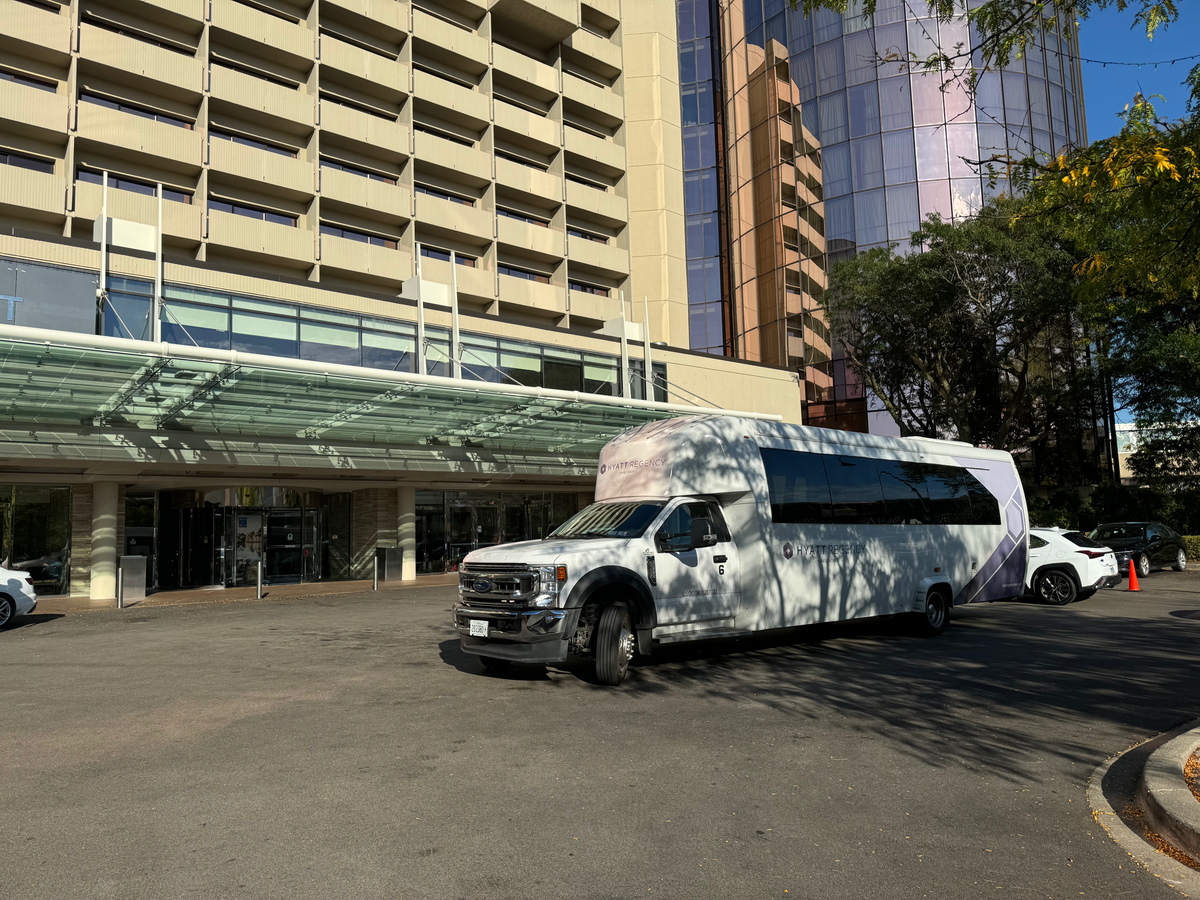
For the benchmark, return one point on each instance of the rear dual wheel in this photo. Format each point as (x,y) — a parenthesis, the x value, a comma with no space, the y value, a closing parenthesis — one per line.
(937,613)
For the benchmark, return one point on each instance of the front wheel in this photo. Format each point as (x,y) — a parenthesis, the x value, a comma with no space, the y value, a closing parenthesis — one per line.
(614,645)
(1180,561)
(1057,588)
(1143,565)
(937,614)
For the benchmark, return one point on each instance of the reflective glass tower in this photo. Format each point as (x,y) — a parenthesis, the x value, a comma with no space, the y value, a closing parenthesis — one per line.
(875,147)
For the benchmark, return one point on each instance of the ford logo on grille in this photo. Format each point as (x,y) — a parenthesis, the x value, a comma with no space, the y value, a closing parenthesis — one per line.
(482,587)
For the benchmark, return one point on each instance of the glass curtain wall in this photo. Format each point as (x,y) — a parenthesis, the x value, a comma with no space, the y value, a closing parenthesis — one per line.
(894,147)
(35,533)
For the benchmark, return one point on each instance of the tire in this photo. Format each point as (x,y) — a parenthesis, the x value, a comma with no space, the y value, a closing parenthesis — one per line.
(495,663)
(1180,561)
(1055,587)
(8,611)
(615,644)
(933,621)
(1143,565)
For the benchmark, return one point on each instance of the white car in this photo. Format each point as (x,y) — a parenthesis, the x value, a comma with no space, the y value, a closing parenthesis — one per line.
(16,596)
(1067,565)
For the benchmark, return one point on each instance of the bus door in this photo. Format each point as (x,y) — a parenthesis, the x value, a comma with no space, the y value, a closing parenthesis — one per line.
(697,582)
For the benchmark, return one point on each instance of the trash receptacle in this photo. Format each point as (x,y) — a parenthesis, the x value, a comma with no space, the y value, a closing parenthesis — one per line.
(133,579)
(390,561)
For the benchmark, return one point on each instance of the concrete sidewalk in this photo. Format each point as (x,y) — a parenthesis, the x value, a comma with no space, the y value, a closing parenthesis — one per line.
(217,595)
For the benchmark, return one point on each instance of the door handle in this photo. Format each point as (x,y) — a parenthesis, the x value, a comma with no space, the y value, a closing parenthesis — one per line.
(720,559)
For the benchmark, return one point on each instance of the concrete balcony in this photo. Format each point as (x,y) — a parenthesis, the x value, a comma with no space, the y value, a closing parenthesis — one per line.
(529,181)
(593,306)
(279,39)
(259,168)
(180,220)
(258,97)
(604,206)
(389,16)
(541,23)
(380,263)
(34,109)
(125,132)
(455,217)
(606,106)
(130,56)
(607,258)
(610,8)
(378,75)
(380,136)
(473,282)
(603,155)
(533,296)
(39,27)
(292,247)
(533,239)
(188,9)
(546,133)
(536,74)
(391,201)
(468,46)
(33,192)
(458,104)
(475,164)
(599,49)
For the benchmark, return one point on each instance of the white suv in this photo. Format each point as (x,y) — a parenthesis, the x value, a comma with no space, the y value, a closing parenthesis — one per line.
(1067,565)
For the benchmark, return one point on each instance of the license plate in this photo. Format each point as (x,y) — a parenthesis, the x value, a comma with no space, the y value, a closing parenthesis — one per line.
(479,628)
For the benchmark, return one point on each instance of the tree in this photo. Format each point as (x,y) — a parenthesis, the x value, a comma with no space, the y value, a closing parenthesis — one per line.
(975,337)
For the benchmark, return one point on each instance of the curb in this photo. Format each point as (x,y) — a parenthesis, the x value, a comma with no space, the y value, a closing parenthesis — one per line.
(1172,809)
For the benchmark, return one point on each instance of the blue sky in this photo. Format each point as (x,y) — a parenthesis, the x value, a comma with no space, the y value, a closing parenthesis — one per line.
(1106,35)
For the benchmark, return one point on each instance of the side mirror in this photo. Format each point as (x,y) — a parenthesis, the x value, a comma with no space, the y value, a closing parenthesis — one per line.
(702,533)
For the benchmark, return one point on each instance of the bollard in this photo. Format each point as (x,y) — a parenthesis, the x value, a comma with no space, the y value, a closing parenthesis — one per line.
(260,579)
(120,588)
(375,575)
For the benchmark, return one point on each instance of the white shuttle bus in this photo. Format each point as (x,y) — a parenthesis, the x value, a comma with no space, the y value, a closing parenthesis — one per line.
(715,526)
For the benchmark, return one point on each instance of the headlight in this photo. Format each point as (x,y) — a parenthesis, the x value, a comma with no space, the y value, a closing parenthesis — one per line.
(550,581)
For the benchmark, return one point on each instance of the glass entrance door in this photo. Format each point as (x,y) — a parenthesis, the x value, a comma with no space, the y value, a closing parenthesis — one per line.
(284,546)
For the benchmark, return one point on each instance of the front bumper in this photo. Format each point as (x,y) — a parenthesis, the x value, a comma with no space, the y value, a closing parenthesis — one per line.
(522,635)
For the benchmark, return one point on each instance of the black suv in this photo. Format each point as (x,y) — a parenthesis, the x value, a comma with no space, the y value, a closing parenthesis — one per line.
(1151,545)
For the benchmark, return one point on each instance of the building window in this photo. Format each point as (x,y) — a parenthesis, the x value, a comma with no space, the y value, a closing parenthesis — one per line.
(29,81)
(135,111)
(444,256)
(443,134)
(589,182)
(521,160)
(360,236)
(523,273)
(26,162)
(588,288)
(128,184)
(521,217)
(251,142)
(586,235)
(353,170)
(252,212)
(357,107)
(443,195)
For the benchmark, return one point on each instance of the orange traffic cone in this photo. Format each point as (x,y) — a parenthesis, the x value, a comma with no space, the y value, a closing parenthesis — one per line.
(1133,583)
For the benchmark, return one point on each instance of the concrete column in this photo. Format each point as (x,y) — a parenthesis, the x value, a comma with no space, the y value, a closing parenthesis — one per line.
(104,540)
(406,530)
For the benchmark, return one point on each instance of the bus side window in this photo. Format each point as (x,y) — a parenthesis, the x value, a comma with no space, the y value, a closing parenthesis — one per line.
(985,510)
(904,492)
(855,491)
(798,488)
(948,500)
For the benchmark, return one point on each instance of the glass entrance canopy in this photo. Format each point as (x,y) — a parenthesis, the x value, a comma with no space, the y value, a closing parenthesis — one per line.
(52,380)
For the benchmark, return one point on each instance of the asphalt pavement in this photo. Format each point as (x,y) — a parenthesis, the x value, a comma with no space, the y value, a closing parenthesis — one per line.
(343,746)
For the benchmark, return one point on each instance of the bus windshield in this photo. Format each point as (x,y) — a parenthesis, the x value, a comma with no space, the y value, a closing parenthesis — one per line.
(609,520)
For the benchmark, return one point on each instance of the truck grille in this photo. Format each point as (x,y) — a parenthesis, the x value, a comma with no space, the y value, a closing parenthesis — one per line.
(501,585)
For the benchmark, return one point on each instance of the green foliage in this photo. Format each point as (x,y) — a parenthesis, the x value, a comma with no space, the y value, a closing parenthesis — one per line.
(972,338)
(1191,546)
(1069,508)
(1063,509)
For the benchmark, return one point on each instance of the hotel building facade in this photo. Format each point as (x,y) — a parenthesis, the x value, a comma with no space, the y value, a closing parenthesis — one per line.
(288,282)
